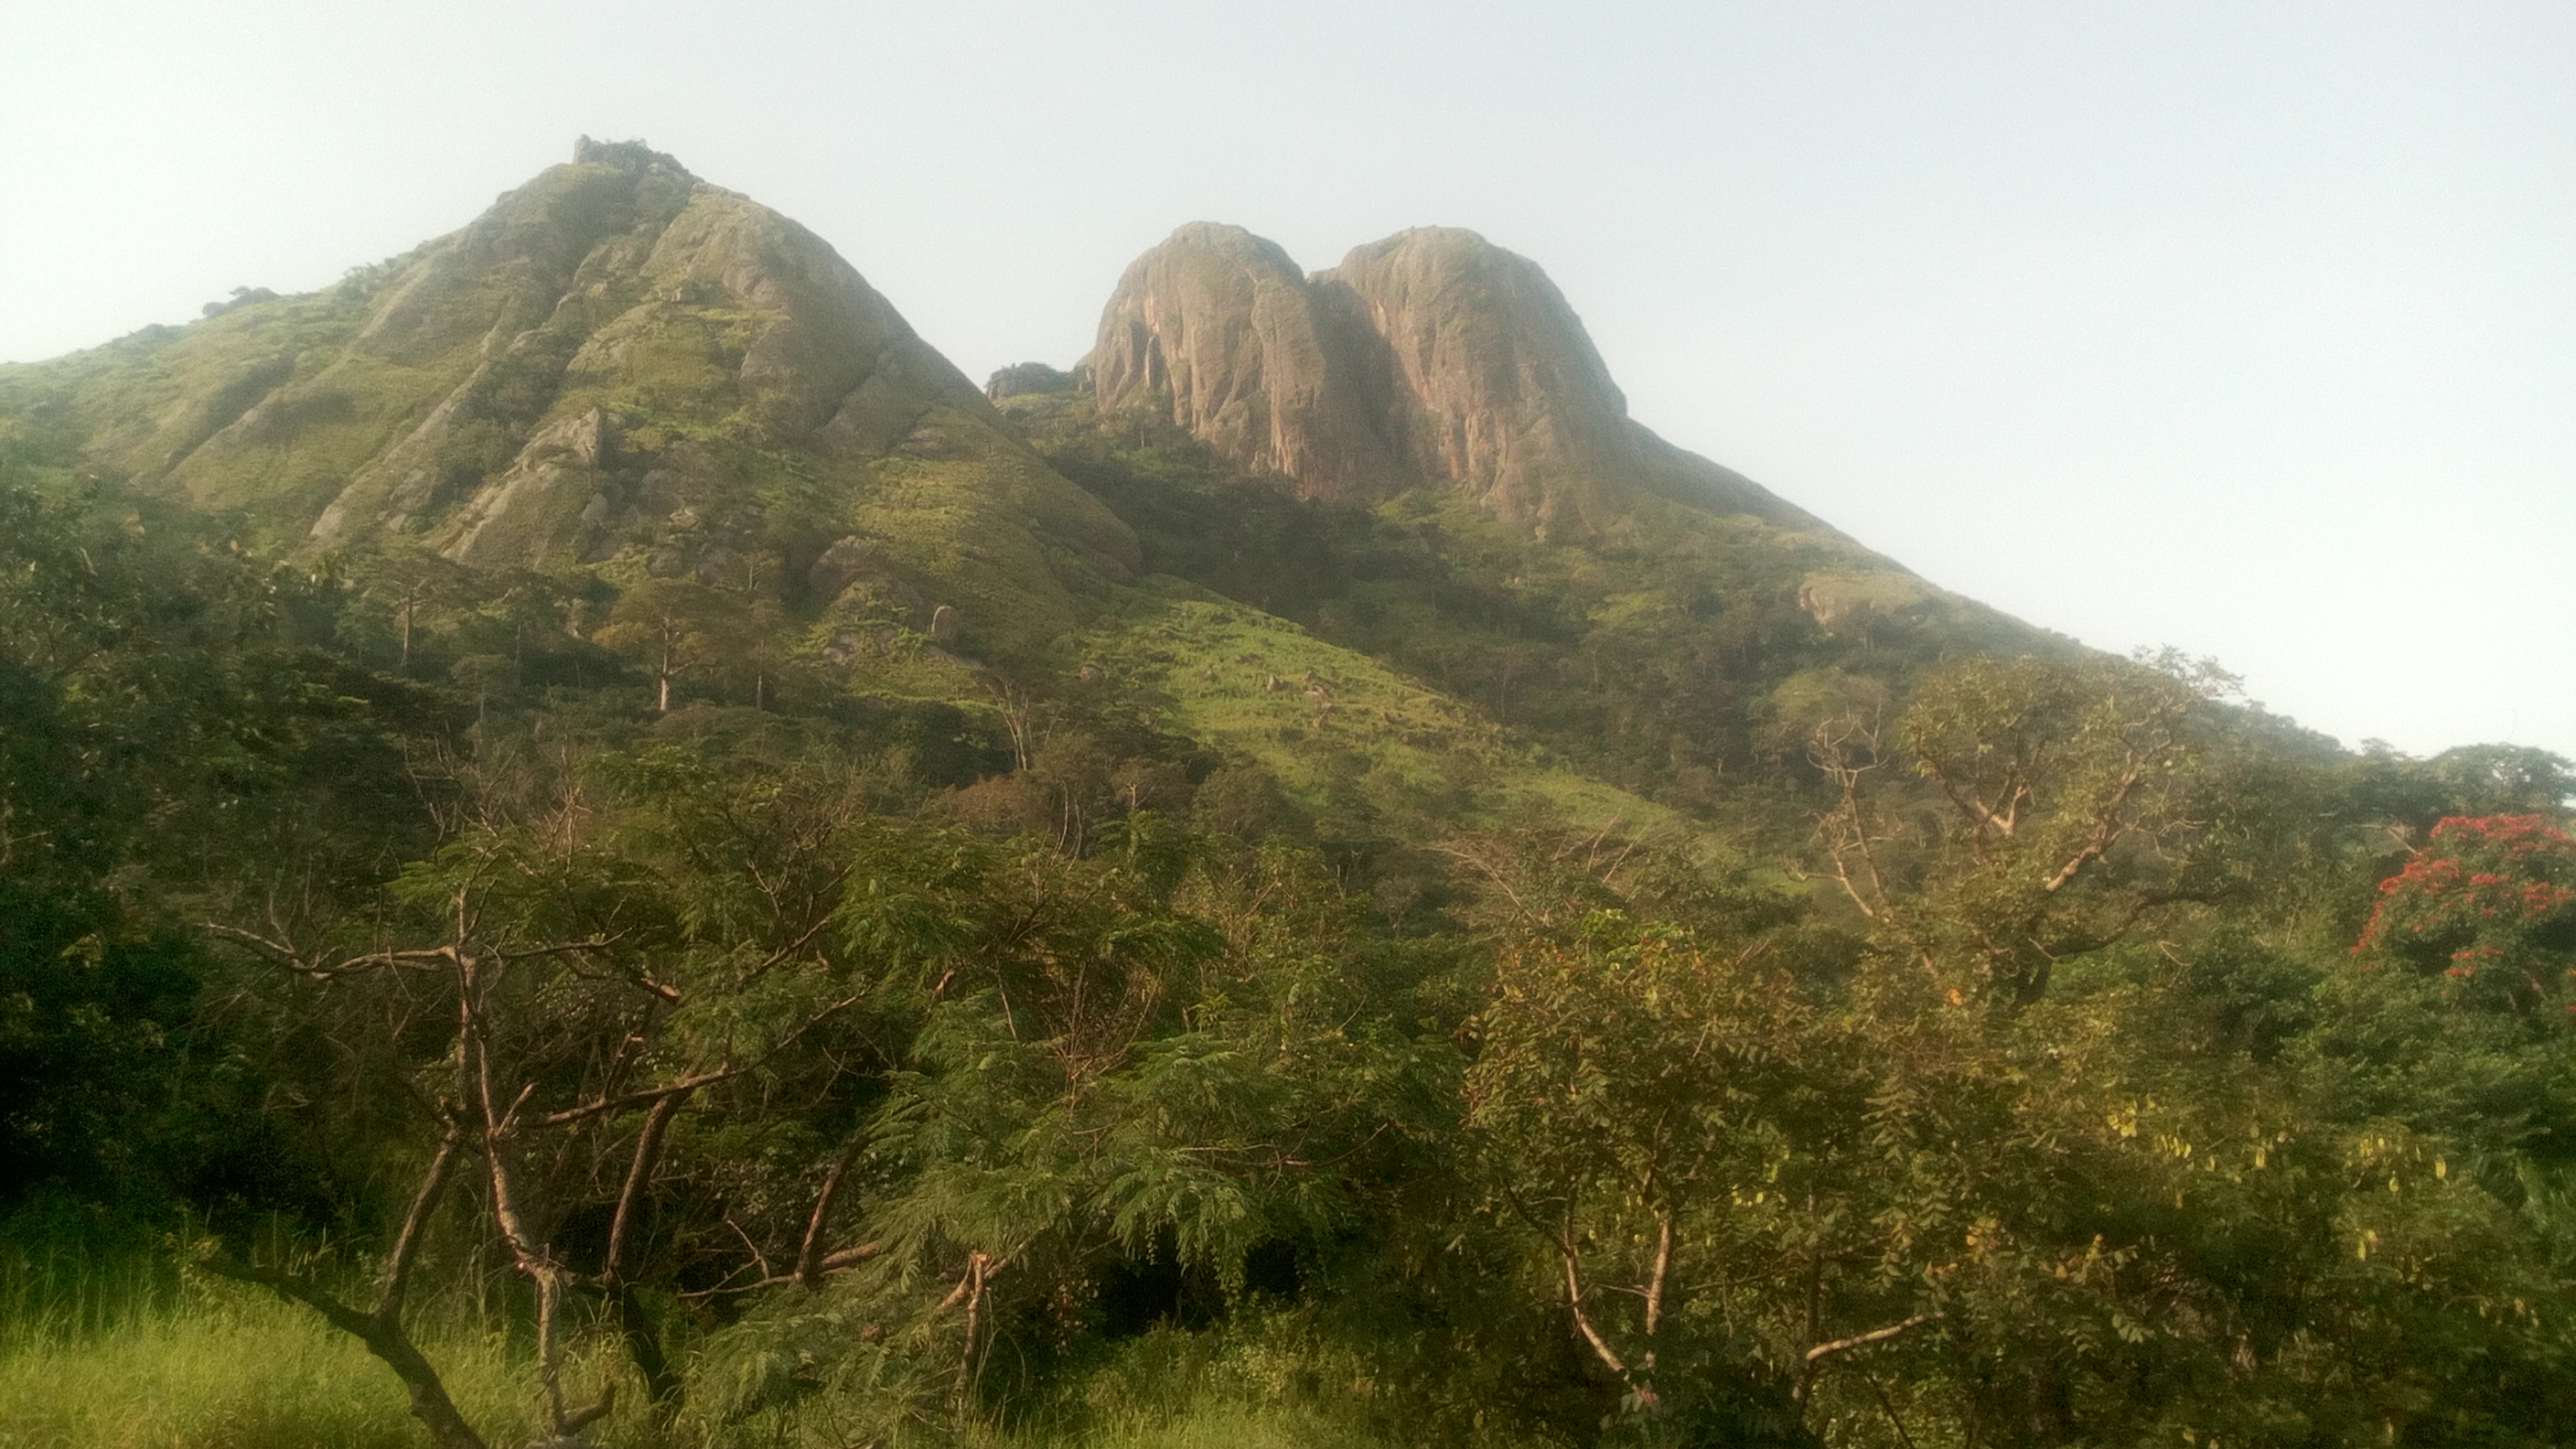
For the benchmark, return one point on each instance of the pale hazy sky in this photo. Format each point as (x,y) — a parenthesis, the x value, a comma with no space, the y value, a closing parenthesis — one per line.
(2245,327)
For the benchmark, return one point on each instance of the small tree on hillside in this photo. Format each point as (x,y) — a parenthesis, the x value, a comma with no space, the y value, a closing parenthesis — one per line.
(410,578)
(553,995)
(677,626)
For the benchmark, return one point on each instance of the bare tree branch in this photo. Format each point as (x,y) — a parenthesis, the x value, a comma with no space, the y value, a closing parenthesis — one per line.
(1655,1282)
(1583,1321)
(832,1262)
(809,1254)
(1875,1335)
(313,967)
(395,1282)
(643,1097)
(639,1175)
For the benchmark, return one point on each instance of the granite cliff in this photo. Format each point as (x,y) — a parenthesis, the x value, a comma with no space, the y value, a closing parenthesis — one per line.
(1430,356)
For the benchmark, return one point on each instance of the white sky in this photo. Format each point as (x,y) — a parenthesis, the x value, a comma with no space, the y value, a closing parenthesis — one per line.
(2246,327)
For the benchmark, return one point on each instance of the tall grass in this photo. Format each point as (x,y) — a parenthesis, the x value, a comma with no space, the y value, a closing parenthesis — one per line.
(130,1352)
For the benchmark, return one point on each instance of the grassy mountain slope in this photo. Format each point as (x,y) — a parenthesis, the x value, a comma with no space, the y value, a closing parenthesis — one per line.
(623,378)
(585,786)
(1683,655)
(617,366)
(1339,729)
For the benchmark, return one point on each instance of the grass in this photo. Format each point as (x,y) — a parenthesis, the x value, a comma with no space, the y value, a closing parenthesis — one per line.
(1250,683)
(225,1369)
(135,1355)
(1231,1424)
(210,1366)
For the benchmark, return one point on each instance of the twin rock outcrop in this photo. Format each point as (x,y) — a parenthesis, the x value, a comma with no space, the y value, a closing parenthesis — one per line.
(1432,356)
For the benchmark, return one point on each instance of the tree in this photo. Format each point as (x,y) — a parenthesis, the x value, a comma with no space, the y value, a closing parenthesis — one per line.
(551,996)
(2490,903)
(679,626)
(2078,799)
(174,739)
(1688,1138)
(410,577)
(2454,1012)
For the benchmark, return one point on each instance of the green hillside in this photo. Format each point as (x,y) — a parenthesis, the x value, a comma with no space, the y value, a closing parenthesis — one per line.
(596,848)
(620,367)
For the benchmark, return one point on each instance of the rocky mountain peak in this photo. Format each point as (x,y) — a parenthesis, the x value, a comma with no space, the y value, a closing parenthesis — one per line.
(632,155)
(1495,385)
(577,287)
(616,365)
(1225,330)
(1431,356)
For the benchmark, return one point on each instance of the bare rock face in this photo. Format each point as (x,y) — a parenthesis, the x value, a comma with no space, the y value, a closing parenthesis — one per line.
(1224,329)
(1493,384)
(1431,356)
(544,494)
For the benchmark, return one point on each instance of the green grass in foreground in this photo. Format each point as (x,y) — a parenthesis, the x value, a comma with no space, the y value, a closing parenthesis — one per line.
(228,1369)
(1231,1425)
(148,1363)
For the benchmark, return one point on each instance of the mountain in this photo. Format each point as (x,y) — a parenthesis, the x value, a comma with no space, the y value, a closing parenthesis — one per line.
(1432,355)
(1413,469)
(618,365)
(1420,456)
(1305,879)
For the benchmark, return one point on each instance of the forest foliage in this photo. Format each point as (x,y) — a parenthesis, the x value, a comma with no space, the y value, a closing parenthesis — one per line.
(2014,1049)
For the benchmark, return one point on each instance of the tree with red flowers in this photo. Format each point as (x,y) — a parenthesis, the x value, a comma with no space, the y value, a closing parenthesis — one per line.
(2490,903)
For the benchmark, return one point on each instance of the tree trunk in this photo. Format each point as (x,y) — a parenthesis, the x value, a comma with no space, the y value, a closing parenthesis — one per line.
(383,1337)
(810,1253)
(641,1328)
(637,1324)
(382,1330)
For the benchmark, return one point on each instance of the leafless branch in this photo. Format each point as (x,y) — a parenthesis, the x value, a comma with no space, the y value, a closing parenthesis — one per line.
(641,1097)
(639,1175)
(1582,1320)
(1655,1281)
(560,948)
(832,1262)
(395,1281)
(1875,1335)
(382,1336)
(296,961)
(809,1254)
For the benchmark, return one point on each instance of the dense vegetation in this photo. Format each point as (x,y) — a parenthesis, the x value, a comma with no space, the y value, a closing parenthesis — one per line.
(570,989)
